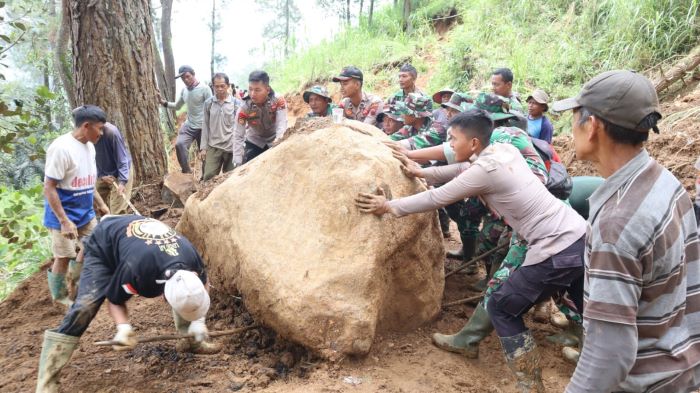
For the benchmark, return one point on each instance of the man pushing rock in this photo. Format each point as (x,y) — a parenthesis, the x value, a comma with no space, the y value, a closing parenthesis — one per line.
(554,232)
(126,256)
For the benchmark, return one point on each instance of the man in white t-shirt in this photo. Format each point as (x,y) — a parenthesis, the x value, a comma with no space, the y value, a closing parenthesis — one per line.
(70,200)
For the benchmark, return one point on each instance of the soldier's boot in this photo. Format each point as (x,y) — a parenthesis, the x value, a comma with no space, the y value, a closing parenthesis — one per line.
(57,288)
(55,353)
(540,312)
(491,269)
(74,269)
(189,344)
(524,360)
(569,337)
(466,341)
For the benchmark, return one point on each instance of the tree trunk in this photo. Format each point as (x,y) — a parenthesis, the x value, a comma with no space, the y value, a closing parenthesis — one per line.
(359,14)
(162,82)
(347,12)
(371,12)
(61,59)
(113,67)
(166,38)
(213,36)
(407,25)
(286,29)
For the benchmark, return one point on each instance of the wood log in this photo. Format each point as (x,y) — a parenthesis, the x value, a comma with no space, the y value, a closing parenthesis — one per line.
(679,69)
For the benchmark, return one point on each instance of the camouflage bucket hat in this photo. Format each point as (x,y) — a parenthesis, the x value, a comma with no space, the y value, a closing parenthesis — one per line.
(418,105)
(399,110)
(495,105)
(319,91)
(458,101)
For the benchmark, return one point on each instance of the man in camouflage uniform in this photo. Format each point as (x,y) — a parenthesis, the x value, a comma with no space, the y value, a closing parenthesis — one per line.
(502,85)
(419,131)
(356,104)
(319,101)
(261,120)
(407,83)
(456,104)
(391,120)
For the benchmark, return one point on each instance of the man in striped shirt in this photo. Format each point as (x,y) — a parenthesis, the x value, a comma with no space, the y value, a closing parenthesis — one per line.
(642,282)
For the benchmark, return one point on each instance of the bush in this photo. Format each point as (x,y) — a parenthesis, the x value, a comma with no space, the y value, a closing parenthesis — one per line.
(24,241)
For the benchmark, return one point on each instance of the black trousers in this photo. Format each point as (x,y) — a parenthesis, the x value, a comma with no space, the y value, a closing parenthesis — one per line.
(251,151)
(92,291)
(532,284)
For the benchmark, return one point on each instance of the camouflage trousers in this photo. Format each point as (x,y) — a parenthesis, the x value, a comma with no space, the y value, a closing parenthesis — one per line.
(468,215)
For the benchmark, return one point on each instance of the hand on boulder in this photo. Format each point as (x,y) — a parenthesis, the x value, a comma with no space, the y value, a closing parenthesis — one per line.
(372,203)
(409,167)
(396,147)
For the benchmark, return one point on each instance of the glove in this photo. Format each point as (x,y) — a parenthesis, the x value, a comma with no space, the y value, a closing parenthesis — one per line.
(125,337)
(199,329)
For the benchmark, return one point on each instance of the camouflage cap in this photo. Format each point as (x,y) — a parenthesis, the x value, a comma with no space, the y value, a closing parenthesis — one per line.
(399,110)
(458,101)
(392,112)
(495,105)
(319,91)
(418,105)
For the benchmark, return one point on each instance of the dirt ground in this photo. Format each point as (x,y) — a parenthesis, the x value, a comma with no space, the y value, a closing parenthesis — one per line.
(258,361)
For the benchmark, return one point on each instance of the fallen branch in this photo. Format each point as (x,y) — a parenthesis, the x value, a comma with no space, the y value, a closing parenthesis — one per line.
(167,337)
(683,66)
(477,259)
(470,299)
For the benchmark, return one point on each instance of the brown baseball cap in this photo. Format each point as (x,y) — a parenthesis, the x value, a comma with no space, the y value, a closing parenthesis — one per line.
(621,97)
(540,97)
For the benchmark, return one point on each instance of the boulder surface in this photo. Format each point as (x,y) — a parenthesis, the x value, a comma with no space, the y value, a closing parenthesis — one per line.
(283,231)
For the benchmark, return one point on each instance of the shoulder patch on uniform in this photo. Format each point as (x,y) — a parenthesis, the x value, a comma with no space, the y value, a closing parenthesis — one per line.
(279,103)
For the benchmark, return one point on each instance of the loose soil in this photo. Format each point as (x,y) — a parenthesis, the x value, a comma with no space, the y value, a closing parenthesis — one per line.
(259,361)
(256,361)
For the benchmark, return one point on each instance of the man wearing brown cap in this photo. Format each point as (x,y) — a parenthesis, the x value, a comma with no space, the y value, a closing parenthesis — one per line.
(642,303)
(538,125)
(356,104)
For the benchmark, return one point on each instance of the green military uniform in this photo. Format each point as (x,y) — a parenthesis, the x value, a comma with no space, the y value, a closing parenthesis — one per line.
(322,92)
(427,135)
(400,96)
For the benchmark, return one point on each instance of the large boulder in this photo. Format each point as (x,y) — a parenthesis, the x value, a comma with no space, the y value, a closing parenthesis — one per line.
(284,231)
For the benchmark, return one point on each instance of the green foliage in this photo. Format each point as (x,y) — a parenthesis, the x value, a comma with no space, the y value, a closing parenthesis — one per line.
(24,242)
(555,45)
(374,50)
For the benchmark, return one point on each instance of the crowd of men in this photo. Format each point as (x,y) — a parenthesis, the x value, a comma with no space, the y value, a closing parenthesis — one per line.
(626,281)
